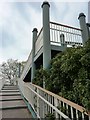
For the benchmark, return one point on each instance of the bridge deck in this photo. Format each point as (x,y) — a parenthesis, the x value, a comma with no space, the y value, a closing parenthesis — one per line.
(11,103)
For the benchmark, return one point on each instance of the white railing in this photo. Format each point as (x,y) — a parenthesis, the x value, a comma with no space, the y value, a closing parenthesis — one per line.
(27,66)
(39,41)
(44,102)
(72,35)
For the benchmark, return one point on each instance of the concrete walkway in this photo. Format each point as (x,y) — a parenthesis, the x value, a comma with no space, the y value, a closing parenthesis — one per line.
(11,103)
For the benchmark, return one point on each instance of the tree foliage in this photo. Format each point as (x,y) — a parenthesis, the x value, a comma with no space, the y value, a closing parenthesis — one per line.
(10,69)
(69,75)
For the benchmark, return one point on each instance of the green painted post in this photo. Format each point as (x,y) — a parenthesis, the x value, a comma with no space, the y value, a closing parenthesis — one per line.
(19,71)
(63,44)
(83,26)
(46,36)
(33,52)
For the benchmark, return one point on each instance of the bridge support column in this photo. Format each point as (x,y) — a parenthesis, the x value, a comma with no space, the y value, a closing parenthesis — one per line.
(83,26)
(33,52)
(46,36)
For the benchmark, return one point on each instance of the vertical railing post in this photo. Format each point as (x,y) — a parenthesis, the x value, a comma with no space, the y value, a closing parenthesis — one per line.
(83,26)
(33,52)
(46,36)
(89,114)
(38,102)
(62,39)
(41,105)
(77,115)
(56,105)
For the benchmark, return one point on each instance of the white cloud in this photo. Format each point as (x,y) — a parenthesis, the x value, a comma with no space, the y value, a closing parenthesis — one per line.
(67,13)
(21,30)
(16,24)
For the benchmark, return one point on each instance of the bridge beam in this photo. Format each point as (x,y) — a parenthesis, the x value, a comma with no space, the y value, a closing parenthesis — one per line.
(84,28)
(46,36)
(33,52)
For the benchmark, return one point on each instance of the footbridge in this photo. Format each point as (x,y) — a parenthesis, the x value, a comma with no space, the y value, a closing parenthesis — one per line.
(53,38)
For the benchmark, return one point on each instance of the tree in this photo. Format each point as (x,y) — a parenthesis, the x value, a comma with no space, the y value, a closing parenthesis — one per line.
(69,75)
(10,69)
(40,76)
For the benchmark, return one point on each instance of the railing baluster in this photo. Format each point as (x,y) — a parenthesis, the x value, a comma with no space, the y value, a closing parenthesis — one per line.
(67,109)
(82,116)
(73,109)
(48,101)
(77,114)
(38,102)
(56,104)
(60,109)
(89,117)
(72,35)
(51,103)
(72,117)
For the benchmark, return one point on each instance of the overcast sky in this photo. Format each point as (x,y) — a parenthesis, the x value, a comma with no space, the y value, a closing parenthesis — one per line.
(17,20)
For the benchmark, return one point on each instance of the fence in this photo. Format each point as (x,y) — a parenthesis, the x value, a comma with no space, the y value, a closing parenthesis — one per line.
(72,35)
(44,102)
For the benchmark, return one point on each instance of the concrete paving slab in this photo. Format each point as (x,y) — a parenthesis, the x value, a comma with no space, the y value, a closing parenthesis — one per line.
(10,97)
(10,93)
(13,103)
(16,113)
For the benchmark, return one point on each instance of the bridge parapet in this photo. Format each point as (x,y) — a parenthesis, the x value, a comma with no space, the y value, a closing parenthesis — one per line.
(27,66)
(72,34)
(39,41)
(44,102)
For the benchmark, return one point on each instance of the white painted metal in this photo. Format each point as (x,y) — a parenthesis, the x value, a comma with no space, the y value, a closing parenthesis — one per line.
(30,90)
(56,105)
(82,116)
(37,102)
(77,114)
(72,35)
(72,117)
(53,107)
(67,109)
(89,117)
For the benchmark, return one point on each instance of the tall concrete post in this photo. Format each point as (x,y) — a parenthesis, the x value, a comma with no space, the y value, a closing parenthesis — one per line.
(46,36)
(88,26)
(33,52)
(19,70)
(89,12)
(83,26)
